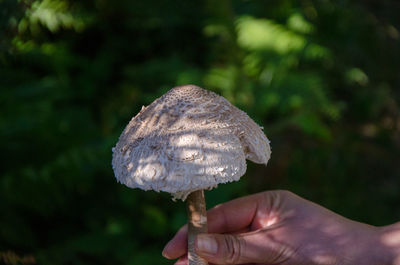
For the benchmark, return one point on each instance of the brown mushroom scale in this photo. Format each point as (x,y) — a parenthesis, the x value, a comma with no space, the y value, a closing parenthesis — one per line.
(188,140)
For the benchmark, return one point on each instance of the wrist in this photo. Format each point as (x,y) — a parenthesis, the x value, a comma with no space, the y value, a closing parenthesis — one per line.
(369,246)
(389,238)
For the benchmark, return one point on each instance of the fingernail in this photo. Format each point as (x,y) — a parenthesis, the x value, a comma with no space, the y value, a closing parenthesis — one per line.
(165,250)
(207,244)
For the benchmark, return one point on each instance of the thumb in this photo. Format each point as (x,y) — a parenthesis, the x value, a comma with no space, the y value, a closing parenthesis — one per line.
(253,247)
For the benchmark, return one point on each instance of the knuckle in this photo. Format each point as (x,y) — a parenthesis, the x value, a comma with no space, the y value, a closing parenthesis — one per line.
(282,254)
(234,248)
(285,192)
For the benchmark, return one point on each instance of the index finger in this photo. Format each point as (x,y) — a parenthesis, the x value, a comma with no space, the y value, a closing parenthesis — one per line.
(231,216)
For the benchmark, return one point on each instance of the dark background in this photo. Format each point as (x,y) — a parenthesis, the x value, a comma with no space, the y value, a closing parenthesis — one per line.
(322,77)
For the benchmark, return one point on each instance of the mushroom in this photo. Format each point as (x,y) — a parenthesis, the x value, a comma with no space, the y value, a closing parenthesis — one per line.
(188,140)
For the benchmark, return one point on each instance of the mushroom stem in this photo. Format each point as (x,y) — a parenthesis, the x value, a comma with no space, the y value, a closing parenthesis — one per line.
(197,224)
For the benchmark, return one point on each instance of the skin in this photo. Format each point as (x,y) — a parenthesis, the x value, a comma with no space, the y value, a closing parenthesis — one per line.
(279,227)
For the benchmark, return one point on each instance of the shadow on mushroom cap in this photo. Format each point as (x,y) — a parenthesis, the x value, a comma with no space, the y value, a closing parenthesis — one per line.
(186,140)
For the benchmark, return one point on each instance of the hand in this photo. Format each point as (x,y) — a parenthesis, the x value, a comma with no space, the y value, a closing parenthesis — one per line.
(279,227)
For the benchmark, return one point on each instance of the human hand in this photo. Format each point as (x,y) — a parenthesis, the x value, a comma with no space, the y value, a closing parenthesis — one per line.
(279,227)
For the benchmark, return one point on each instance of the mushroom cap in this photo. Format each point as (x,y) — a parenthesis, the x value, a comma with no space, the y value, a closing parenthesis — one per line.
(188,139)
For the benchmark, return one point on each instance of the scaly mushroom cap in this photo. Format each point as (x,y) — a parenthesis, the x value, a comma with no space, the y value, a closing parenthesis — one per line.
(188,139)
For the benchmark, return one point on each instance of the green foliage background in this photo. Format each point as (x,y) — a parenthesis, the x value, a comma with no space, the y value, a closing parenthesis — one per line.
(321,76)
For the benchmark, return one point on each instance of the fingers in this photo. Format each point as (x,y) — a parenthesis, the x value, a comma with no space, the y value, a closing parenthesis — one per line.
(233,216)
(182,261)
(177,246)
(254,247)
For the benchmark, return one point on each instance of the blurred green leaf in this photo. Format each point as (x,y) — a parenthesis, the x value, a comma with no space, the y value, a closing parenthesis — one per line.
(261,34)
(321,77)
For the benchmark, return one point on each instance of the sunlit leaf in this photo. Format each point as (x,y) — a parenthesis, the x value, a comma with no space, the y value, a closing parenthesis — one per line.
(263,34)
